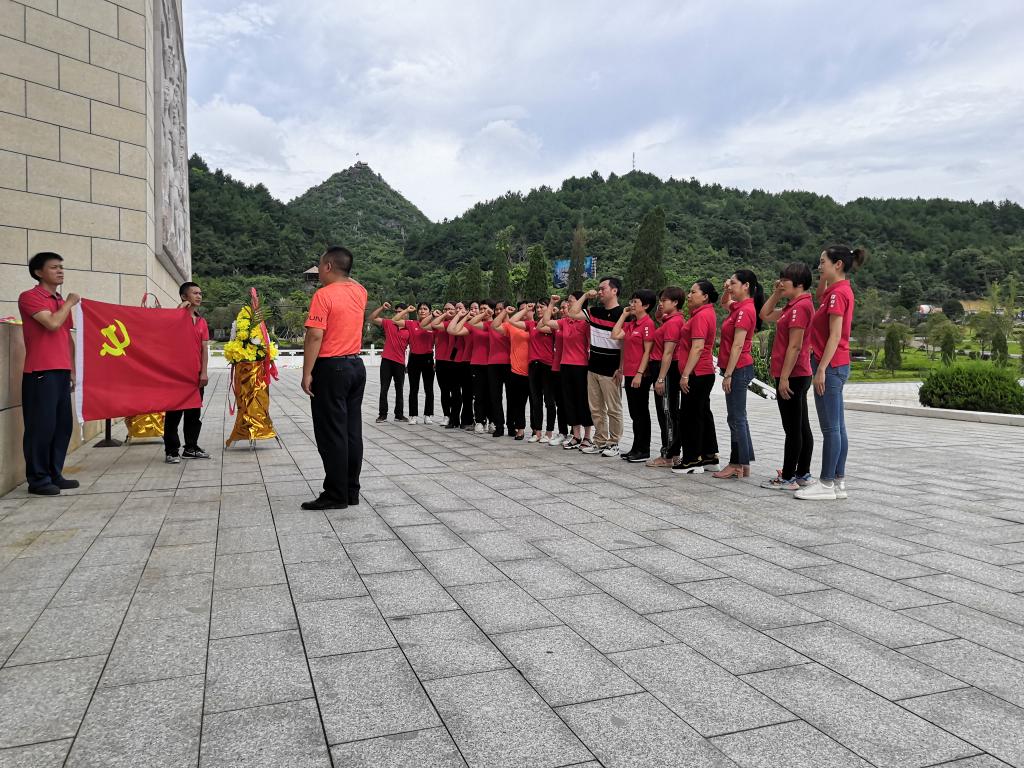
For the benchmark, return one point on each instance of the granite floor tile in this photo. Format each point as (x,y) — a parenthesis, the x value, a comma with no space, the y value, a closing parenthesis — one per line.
(429,748)
(166,597)
(70,632)
(248,569)
(545,578)
(364,695)
(457,567)
(50,754)
(178,561)
(158,649)
(1004,605)
(886,672)
(640,732)
(989,723)
(579,554)
(45,702)
(502,606)
(981,628)
(997,576)
(382,557)
(727,642)
(869,560)
(104,583)
(255,538)
(499,721)
(256,670)
(607,624)
(445,645)
(154,723)
(787,745)
(707,697)
(498,546)
(771,578)
(360,528)
(429,538)
(875,589)
(311,548)
(562,667)
(639,590)
(890,628)
(667,565)
(403,593)
(251,610)
(342,626)
(983,668)
(273,736)
(749,604)
(465,522)
(326,580)
(610,536)
(865,723)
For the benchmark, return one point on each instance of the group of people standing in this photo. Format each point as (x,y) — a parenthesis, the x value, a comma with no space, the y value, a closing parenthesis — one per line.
(565,363)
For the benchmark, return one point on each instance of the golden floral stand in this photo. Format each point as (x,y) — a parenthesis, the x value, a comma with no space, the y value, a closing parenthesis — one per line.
(252,397)
(144,425)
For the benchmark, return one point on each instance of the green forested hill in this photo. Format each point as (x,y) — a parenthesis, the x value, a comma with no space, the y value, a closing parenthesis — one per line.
(921,250)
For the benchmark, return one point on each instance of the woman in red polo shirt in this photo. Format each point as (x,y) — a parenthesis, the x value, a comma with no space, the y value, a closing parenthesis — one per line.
(444,344)
(513,327)
(392,362)
(696,380)
(830,361)
(542,393)
(573,374)
(499,369)
(478,365)
(791,369)
(744,297)
(555,439)
(421,364)
(637,337)
(666,380)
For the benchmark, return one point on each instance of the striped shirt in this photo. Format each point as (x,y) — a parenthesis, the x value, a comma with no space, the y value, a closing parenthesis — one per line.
(605,352)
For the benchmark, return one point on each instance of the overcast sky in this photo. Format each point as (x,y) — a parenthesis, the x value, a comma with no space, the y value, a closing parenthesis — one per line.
(458,102)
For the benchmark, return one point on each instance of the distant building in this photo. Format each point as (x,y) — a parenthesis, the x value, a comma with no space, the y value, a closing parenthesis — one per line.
(923,310)
(975,306)
(311,276)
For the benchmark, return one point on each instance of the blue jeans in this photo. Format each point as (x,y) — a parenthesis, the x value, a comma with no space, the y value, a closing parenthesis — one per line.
(741,450)
(829,406)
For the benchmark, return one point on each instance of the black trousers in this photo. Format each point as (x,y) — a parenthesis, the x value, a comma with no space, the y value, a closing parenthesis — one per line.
(698,423)
(575,395)
(445,377)
(518,392)
(498,376)
(338,384)
(668,411)
(46,410)
(465,376)
(638,401)
(542,396)
(481,394)
(421,367)
(796,461)
(193,425)
(391,371)
(555,379)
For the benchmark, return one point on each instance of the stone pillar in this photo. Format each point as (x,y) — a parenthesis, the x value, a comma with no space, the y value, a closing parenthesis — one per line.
(93,154)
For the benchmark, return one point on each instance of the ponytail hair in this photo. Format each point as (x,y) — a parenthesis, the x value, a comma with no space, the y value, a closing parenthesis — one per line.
(709,290)
(756,292)
(851,258)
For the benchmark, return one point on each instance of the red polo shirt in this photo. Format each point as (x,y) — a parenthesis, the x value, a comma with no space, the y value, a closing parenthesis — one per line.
(702,325)
(421,341)
(556,356)
(444,342)
(838,300)
(481,345)
(797,314)
(741,315)
(575,341)
(500,351)
(542,345)
(44,350)
(667,331)
(638,333)
(395,341)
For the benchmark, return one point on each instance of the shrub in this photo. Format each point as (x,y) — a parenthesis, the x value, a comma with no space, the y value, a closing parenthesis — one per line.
(973,388)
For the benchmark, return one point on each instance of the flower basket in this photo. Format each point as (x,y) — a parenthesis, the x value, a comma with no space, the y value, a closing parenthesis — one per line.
(145,425)
(252,396)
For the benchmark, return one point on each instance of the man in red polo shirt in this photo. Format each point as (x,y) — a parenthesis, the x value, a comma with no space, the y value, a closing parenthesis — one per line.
(48,377)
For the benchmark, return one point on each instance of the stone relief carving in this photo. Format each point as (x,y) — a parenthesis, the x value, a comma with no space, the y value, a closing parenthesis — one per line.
(172,214)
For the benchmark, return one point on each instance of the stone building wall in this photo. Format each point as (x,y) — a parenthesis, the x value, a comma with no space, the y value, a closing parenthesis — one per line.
(92,157)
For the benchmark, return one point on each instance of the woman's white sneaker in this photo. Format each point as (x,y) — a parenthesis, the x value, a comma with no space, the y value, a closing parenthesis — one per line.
(428,420)
(840,488)
(557,440)
(533,439)
(817,491)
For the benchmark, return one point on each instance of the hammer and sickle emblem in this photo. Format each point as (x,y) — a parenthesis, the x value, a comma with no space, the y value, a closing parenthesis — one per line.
(117,344)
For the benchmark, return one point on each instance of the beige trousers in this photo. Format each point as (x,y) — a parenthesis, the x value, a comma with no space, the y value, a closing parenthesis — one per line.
(605,396)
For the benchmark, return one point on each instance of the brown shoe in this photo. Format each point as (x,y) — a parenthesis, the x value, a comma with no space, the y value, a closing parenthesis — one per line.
(660,461)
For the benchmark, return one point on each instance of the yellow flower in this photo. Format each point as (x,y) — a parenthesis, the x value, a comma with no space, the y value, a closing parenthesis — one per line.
(273,351)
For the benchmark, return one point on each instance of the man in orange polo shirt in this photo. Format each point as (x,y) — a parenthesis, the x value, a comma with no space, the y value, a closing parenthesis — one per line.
(334,377)
(48,376)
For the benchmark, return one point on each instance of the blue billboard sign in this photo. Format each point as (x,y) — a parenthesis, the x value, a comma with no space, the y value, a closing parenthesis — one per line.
(560,275)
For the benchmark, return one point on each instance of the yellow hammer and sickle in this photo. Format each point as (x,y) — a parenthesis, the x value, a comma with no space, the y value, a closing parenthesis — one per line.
(117,346)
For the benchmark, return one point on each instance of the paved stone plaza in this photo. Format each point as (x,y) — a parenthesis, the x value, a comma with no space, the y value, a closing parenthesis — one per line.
(494,603)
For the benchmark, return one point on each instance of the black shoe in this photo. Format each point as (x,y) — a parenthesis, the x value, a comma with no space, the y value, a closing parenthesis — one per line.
(468,427)
(46,490)
(451,425)
(710,461)
(625,456)
(498,432)
(401,418)
(381,419)
(637,458)
(66,485)
(353,501)
(323,501)
(519,437)
(194,453)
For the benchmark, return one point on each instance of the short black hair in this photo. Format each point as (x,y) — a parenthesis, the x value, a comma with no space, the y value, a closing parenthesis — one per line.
(39,261)
(674,293)
(184,287)
(797,273)
(646,297)
(339,257)
(614,282)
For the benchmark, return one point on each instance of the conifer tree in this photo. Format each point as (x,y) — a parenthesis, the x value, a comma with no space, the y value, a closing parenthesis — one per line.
(574,281)
(536,286)
(1000,351)
(893,359)
(453,290)
(645,267)
(501,290)
(472,282)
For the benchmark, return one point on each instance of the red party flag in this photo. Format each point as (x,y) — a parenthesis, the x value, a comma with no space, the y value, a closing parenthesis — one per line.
(131,360)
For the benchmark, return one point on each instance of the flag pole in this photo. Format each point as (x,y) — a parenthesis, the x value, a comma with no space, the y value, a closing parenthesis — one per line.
(108,441)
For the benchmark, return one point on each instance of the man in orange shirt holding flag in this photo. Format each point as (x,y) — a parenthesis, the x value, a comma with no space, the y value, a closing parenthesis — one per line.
(334,377)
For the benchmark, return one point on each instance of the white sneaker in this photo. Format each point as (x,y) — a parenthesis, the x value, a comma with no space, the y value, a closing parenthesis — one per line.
(544,439)
(590,448)
(414,419)
(428,420)
(479,428)
(840,488)
(533,439)
(557,440)
(610,452)
(816,491)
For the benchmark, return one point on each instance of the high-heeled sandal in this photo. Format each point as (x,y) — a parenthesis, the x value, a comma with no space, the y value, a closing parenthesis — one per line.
(730,471)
